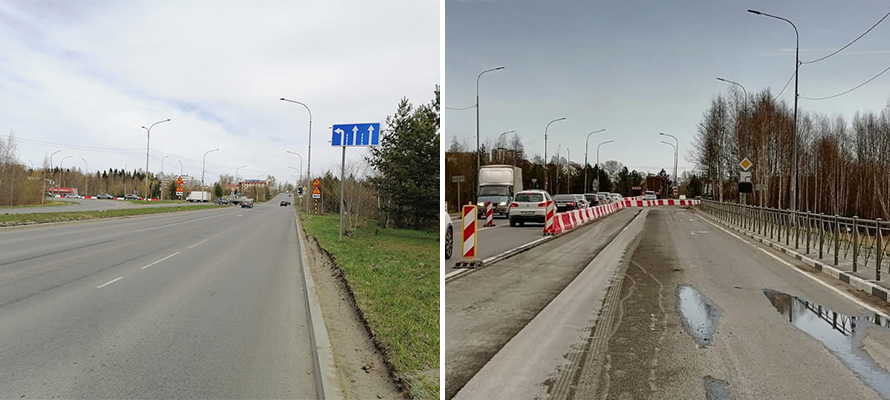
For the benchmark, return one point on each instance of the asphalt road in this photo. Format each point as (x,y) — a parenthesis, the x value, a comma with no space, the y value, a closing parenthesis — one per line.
(494,240)
(203,304)
(86,205)
(676,308)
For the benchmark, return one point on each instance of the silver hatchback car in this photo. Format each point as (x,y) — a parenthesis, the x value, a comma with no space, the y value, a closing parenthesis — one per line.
(529,206)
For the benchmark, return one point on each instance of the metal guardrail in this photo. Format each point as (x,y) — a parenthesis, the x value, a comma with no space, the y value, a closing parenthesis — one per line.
(864,242)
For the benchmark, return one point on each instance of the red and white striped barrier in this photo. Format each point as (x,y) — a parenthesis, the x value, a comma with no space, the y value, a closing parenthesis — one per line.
(489,214)
(566,221)
(662,202)
(468,245)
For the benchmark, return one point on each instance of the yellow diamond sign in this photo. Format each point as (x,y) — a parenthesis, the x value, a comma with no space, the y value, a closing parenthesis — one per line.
(745,164)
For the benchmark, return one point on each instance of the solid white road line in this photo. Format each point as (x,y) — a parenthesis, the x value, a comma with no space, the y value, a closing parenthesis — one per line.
(160,260)
(806,274)
(199,243)
(109,282)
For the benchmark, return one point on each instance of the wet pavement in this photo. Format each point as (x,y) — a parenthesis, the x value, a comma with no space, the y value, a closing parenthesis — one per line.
(717,389)
(841,334)
(700,315)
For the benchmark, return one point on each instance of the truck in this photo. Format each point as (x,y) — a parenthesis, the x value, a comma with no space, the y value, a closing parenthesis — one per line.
(198,195)
(498,184)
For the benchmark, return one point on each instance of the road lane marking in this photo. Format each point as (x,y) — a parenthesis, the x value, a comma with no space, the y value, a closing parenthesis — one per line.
(199,243)
(806,274)
(160,260)
(109,282)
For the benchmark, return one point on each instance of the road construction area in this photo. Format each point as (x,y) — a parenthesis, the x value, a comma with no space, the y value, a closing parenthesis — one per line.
(661,303)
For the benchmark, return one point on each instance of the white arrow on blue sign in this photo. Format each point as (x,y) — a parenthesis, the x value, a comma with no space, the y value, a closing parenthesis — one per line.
(356,135)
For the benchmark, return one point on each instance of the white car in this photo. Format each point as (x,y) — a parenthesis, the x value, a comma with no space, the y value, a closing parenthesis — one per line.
(649,195)
(617,197)
(447,231)
(529,206)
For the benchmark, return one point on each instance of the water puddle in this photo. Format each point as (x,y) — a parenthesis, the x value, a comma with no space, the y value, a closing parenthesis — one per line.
(700,315)
(841,334)
(716,389)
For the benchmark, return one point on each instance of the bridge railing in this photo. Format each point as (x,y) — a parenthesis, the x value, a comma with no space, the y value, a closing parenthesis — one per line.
(861,242)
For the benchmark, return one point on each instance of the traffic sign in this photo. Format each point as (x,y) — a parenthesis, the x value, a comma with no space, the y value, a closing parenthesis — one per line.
(744,177)
(316,190)
(745,164)
(355,134)
(457,178)
(316,182)
(179,180)
(179,192)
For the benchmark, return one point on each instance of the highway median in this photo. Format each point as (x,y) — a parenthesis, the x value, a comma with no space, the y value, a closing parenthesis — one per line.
(42,218)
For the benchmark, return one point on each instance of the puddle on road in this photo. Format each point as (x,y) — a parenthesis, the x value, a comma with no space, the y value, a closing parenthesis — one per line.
(716,389)
(841,334)
(700,315)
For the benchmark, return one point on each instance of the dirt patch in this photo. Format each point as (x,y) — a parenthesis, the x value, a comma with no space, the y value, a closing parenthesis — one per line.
(364,372)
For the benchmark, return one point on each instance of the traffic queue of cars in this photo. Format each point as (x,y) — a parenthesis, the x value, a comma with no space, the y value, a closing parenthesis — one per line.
(531,205)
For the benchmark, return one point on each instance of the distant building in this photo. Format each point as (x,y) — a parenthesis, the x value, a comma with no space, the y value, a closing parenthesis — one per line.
(61,191)
(252,183)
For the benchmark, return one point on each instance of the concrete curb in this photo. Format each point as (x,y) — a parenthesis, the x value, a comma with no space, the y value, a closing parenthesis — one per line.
(498,257)
(860,284)
(326,377)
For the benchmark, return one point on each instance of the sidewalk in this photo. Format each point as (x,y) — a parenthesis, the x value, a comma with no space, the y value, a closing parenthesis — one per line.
(862,279)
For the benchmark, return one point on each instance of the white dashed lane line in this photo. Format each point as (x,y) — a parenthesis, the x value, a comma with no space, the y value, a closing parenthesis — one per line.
(109,282)
(198,244)
(160,260)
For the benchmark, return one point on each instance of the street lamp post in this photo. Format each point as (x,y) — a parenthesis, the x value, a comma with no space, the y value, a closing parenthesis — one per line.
(300,180)
(203,166)
(479,156)
(741,196)
(43,198)
(676,148)
(546,181)
(309,154)
(568,171)
(556,183)
(147,141)
(236,172)
(586,142)
(86,174)
(596,179)
(796,95)
(60,170)
(499,142)
(675,157)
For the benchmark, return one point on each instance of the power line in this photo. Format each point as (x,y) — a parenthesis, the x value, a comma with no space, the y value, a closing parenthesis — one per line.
(785,87)
(71,146)
(849,90)
(460,108)
(848,44)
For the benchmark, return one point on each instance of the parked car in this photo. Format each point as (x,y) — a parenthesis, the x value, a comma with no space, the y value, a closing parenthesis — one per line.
(247,204)
(649,195)
(603,198)
(592,199)
(132,197)
(284,203)
(104,196)
(567,202)
(221,201)
(447,231)
(617,197)
(528,206)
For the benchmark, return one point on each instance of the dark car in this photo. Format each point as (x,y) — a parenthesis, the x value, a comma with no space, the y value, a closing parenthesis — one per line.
(247,204)
(104,196)
(131,197)
(566,202)
(221,201)
(285,203)
(592,199)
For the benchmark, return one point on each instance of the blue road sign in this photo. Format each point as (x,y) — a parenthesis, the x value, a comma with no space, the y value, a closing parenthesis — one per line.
(356,135)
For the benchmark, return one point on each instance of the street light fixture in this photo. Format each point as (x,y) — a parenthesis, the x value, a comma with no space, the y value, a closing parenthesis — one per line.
(309,154)
(236,172)
(479,156)
(499,140)
(203,166)
(300,180)
(796,95)
(596,179)
(586,142)
(147,141)
(675,159)
(546,181)
(60,170)
(43,198)
(568,172)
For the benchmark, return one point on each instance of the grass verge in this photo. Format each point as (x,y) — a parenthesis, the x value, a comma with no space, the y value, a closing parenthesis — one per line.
(47,204)
(41,218)
(149,203)
(394,275)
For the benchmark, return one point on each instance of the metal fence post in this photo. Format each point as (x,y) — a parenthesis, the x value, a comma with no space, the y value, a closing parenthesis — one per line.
(788,229)
(879,247)
(821,233)
(837,235)
(796,230)
(808,232)
(855,241)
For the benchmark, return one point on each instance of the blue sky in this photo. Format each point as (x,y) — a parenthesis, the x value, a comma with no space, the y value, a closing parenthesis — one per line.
(637,68)
(89,74)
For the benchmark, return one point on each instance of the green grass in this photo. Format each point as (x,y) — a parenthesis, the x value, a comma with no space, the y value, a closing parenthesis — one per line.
(41,218)
(395,278)
(47,204)
(144,203)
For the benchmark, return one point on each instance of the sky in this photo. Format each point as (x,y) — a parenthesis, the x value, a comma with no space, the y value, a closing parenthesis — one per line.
(85,76)
(637,68)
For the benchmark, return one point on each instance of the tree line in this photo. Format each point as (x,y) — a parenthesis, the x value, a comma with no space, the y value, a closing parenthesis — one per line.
(843,166)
